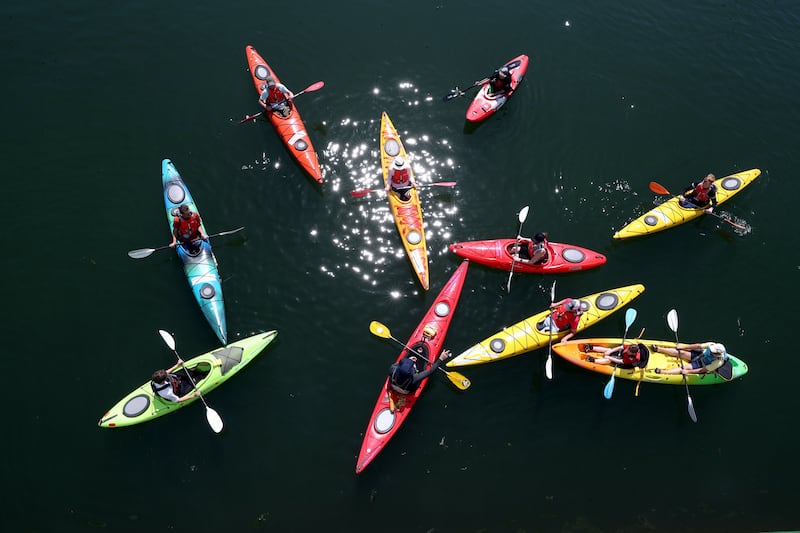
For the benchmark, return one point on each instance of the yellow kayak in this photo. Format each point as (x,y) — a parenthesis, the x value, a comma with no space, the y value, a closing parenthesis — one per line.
(408,214)
(573,351)
(671,214)
(525,336)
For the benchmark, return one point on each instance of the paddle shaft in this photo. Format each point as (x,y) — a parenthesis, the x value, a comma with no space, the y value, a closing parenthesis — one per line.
(363,192)
(146,252)
(450,375)
(313,87)
(672,321)
(521,216)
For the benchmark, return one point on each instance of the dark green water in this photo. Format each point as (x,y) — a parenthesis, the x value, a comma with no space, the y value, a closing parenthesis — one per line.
(96,94)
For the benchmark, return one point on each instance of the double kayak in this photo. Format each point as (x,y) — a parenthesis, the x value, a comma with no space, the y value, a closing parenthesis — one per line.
(671,213)
(496,253)
(385,421)
(574,352)
(290,129)
(219,365)
(200,268)
(407,214)
(487,102)
(529,334)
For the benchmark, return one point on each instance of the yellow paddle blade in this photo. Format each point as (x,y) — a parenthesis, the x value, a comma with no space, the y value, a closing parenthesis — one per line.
(459,380)
(379,330)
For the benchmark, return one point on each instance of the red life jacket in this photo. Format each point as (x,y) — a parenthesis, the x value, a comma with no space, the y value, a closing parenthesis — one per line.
(275,95)
(700,194)
(562,317)
(188,230)
(628,359)
(400,177)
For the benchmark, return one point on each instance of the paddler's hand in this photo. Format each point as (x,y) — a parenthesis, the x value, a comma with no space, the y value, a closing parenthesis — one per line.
(709,210)
(445,355)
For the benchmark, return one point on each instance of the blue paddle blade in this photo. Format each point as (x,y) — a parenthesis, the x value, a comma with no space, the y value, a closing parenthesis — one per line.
(630,316)
(609,390)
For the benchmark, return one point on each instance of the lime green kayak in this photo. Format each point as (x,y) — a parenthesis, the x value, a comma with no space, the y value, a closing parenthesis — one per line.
(671,214)
(526,335)
(221,364)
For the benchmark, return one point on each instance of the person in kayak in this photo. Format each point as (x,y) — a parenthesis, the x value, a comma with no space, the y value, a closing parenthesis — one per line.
(406,374)
(702,195)
(566,315)
(277,96)
(499,81)
(625,356)
(187,227)
(704,357)
(400,179)
(175,387)
(531,251)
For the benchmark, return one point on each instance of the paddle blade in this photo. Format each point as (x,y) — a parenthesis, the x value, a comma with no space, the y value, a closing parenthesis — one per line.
(692,414)
(248,118)
(553,292)
(379,330)
(630,317)
(459,380)
(658,188)
(314,87)
(523,214)
(223,233)
(141,253)
(548,366)
(672,320)
(455,93)
(168,339)
(363,192)
(214,419)
(609,390)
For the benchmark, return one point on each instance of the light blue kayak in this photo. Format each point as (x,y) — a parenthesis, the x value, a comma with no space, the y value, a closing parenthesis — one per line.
(201,268)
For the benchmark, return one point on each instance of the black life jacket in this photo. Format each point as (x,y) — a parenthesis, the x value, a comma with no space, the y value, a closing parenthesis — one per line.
(403,376)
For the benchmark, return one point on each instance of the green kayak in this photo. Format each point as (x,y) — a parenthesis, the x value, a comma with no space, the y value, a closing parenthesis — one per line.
(220,364)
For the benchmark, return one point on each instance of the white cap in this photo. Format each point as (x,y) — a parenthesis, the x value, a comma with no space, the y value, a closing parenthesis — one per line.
(399,161)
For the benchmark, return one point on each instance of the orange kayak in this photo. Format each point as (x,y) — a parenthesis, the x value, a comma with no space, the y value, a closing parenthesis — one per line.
(290,129)
(408,214)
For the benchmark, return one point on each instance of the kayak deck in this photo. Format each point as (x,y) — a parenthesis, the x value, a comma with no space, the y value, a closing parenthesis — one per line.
(496,253)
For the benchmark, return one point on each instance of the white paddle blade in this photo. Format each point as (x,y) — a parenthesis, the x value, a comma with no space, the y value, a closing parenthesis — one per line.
(523,214)
(672,320)
(553,292)
(548,367)
(214,419)
(692,414)
(167,339)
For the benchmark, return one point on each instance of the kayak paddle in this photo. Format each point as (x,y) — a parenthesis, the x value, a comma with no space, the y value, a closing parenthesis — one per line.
(141,253)
(522,215)
(455,93)
(630,316)
(212,416)
(363,192)
(548,366)
(672,322)
(660,189)
(311,88)
(379,330)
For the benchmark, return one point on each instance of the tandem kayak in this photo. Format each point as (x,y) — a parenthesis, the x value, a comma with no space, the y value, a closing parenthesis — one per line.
(671,214)
(526,335)
(290,129)
(407,214)
(486,103)
(496,253)
(221,364)
(572,351)
(384,422)
(201,268)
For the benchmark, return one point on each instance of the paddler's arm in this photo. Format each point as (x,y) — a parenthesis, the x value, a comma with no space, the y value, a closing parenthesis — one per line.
(419,376)
(189,396)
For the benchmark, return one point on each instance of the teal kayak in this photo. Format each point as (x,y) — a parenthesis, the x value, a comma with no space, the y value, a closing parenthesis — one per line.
(221,364)
(201,268)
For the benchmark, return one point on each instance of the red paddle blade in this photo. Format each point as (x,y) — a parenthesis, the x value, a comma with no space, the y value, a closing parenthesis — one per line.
(362,193)
(658,188)
(314,86)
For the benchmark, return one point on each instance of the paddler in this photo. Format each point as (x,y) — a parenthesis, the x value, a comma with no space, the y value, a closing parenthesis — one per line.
(532,252)
(187,227)
(400,178)
(702,195)
(565,315)
(175,387)
(499,81)
(634,355)
(405,375)
(704,357)
(277,96)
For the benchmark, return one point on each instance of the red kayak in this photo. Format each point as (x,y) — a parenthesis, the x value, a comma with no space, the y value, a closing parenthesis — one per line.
(385,422)
(561,258)
(486,103)
(291,129)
